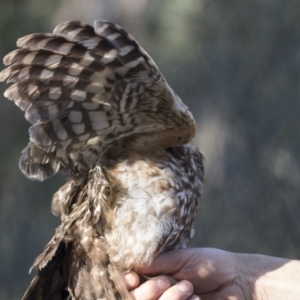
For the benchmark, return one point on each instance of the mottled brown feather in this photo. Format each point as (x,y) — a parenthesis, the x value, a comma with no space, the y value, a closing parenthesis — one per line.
(101,110)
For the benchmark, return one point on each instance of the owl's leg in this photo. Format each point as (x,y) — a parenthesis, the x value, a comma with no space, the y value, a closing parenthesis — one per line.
(90,274)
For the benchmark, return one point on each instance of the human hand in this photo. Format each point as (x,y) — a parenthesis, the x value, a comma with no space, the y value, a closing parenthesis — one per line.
(210,271)
(217,275)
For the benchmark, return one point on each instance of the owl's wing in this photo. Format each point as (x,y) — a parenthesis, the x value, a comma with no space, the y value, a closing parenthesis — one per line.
(83,88)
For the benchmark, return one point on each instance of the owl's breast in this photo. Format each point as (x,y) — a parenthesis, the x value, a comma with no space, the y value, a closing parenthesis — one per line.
(153,202)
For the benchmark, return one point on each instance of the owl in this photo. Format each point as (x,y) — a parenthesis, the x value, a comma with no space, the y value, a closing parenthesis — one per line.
(102,113)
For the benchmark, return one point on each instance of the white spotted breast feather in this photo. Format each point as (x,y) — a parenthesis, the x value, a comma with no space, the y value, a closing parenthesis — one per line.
(85,88)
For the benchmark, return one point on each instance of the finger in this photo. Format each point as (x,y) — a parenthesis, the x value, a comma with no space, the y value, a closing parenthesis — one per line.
(183,290)
(167,263)
(132,280)
(152,289)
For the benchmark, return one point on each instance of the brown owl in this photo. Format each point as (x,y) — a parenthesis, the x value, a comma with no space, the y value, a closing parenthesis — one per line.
(102,112)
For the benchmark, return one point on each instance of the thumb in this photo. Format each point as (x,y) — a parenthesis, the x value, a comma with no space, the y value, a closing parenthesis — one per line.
(166,263)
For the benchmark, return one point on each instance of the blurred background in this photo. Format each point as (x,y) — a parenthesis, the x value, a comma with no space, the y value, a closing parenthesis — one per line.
(236,64)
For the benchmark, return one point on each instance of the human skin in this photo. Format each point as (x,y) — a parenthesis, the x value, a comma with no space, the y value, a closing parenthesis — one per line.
(213,274)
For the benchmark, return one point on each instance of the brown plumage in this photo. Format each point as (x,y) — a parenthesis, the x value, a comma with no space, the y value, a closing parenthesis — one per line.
(101,111)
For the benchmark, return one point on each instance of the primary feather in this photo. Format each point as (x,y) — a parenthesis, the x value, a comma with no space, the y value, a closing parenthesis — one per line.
(83,88)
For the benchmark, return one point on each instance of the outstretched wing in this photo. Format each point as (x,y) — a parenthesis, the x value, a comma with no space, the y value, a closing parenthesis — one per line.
(83,88)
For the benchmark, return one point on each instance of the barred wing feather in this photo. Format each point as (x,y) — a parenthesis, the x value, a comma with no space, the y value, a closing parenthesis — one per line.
(82,88)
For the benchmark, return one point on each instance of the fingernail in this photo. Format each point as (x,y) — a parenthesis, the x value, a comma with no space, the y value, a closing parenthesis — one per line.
(186,287)
(194,297)
(130,279)
(163,282)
